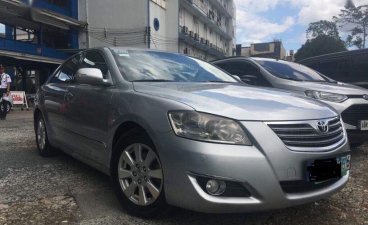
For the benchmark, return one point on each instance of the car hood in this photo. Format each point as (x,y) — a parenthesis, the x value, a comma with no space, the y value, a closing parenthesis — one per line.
(238,101)
(339,88)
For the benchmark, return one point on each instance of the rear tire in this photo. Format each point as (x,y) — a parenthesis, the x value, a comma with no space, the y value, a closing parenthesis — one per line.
(43,144)
(137,175)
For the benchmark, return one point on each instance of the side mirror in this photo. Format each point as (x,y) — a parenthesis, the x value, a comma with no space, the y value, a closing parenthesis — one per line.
(92,76)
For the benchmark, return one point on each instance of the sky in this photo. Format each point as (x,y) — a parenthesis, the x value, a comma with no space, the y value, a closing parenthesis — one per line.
(287,20)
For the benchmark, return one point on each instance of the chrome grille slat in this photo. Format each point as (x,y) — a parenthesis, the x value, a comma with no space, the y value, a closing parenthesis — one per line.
(305,135)
(318,143)
(338,131)
(293,128)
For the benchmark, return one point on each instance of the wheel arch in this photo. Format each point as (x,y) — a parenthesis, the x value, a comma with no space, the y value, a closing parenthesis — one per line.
(123,129)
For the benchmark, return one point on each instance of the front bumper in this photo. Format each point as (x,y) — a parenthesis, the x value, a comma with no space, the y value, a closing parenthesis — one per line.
(349,119)
(260,168)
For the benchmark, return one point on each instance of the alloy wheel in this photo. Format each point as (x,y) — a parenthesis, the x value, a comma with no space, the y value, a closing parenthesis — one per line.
(140,174)
(41,134)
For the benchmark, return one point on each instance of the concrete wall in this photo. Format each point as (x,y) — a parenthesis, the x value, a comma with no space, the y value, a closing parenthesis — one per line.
(125,22)
(245,51)
(166,37)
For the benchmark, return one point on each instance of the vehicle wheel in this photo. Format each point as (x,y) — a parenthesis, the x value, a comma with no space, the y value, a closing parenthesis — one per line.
(137,175)
(43,145)
(8,107)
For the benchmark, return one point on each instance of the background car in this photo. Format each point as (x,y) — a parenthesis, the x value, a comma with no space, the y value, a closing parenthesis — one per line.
(174,130)
(349,100)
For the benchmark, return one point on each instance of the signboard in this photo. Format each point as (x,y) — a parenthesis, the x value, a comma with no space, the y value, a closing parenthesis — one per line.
(19,98)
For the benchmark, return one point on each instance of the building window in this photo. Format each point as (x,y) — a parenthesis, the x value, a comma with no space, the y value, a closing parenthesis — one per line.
(181,18)
(60,3)
(2,30)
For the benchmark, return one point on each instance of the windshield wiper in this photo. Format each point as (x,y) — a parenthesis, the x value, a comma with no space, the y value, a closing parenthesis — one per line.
(153,80)
(221,81)
(321,81)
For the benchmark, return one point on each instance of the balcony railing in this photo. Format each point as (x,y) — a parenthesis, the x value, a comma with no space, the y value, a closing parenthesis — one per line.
(201,43)
(216,21)
(30,48)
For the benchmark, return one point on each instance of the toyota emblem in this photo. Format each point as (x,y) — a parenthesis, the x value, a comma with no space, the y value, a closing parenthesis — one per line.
(322,126)
(365,97)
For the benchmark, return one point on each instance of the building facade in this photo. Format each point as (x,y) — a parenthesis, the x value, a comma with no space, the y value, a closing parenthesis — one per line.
(37,35)
(273,50)
(200,28)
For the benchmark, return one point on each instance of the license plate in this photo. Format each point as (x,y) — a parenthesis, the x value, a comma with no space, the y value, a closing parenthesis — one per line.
(344,163)
(327,169)
(364,125)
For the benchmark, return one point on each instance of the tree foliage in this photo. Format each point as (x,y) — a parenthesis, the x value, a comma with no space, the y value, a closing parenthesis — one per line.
(355,19)
(323,28)
(320,45)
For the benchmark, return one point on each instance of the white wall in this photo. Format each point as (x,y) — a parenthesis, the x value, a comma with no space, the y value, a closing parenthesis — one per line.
(166,38)
(122,16)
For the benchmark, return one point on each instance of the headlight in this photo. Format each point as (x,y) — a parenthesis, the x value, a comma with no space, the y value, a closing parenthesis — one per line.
(326,96)
(205,127)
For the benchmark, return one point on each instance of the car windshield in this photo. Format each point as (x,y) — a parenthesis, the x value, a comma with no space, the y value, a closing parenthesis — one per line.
(291,71)
(150,66)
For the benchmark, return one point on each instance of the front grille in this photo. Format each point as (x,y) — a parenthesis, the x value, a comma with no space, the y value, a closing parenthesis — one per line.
(301,135)
(354,114)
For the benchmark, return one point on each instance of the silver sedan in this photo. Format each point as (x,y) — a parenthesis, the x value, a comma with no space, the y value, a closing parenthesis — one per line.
(174,130)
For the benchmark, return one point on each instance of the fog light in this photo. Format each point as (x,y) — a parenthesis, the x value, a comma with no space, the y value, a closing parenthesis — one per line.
(215,187)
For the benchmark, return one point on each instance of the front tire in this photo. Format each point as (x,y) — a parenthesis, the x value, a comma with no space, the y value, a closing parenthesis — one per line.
(137,175)
(8,107)
(43,144)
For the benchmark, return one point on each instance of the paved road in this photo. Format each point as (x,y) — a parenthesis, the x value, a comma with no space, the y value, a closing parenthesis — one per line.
(61,190)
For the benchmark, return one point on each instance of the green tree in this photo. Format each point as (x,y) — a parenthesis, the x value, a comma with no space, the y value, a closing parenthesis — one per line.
(355,19)
(323,27)
(320,45)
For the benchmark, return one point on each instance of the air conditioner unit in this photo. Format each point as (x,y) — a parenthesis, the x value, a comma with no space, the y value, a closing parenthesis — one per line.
(191,34)
(196,36)
(207,42)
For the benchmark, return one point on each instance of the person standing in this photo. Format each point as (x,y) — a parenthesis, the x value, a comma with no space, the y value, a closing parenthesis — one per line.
(5,81)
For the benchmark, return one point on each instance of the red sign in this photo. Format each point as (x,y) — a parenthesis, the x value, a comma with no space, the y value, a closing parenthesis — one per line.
(18,97)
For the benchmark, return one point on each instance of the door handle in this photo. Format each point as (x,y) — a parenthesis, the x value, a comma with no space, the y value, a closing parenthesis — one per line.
(68,96)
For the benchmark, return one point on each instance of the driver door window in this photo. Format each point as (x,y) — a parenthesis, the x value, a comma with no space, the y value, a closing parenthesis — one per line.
(94,59)
(247,72)
(67,71)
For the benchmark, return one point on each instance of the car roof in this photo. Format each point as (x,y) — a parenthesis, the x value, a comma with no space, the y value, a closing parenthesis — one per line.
(140,49)
(248,58)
